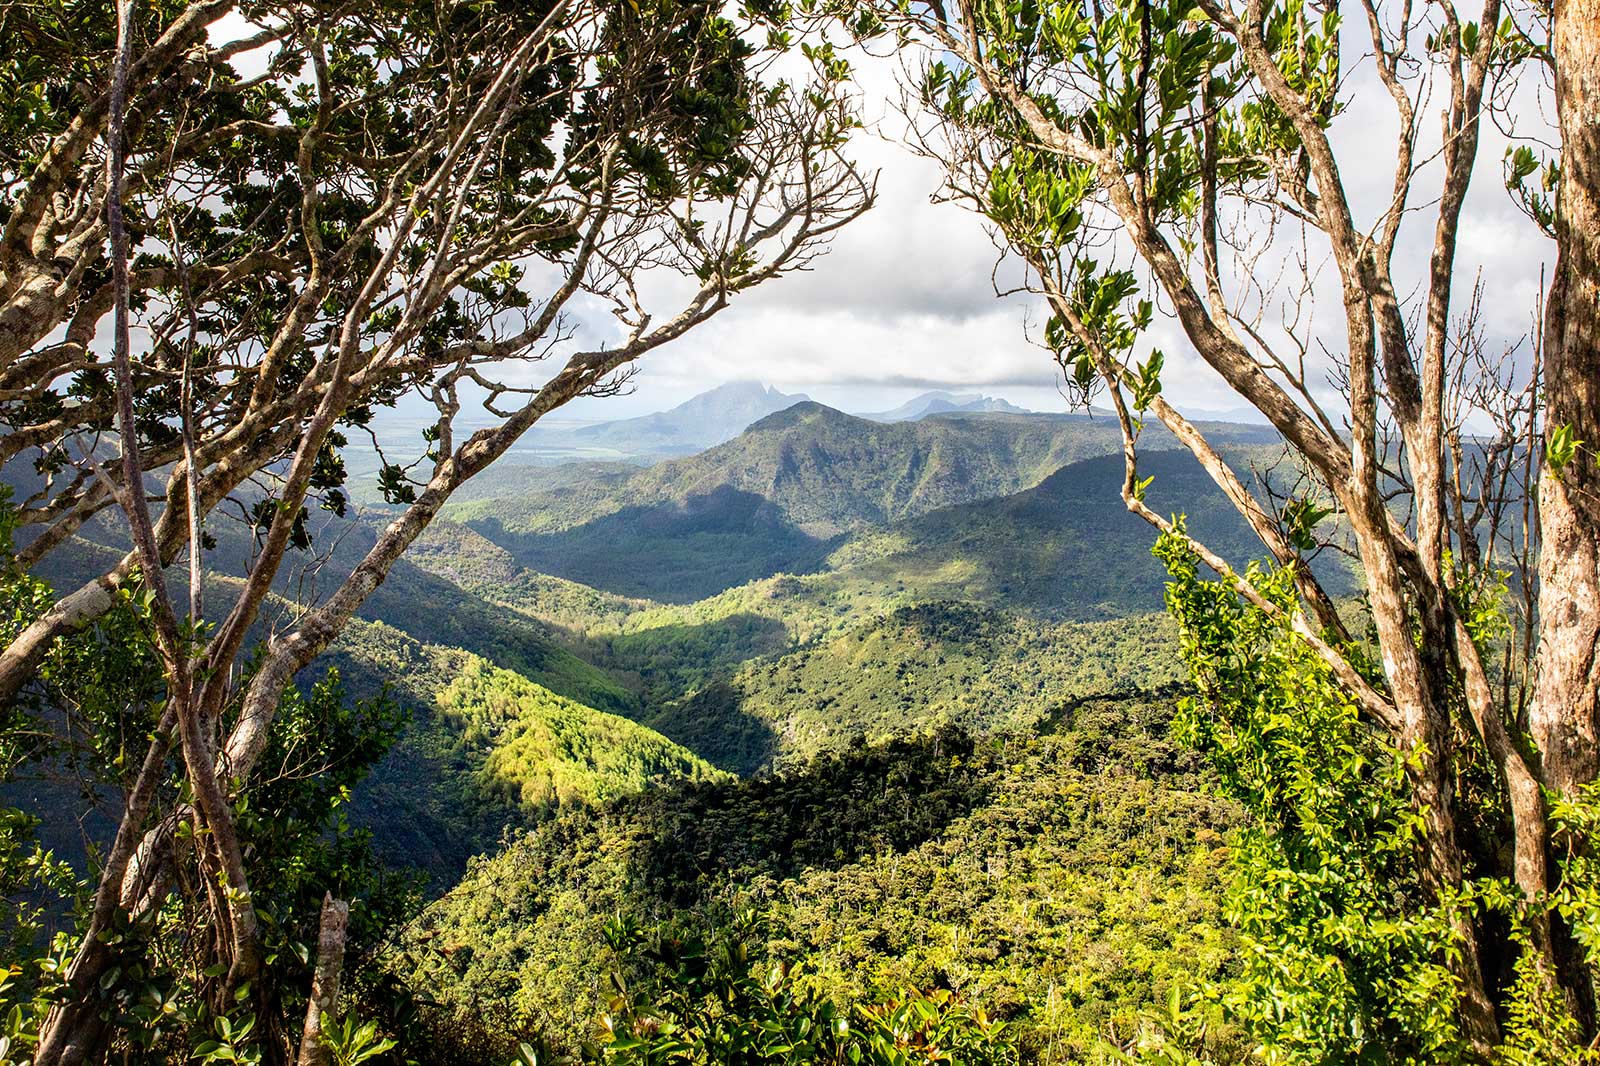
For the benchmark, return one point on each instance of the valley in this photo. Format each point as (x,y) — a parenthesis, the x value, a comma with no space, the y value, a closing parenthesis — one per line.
(826,675)
(898,691)
(869,534)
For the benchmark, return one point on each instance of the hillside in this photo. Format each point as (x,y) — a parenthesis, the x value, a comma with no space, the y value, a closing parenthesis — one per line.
(1066,550)
(912,670)
(821,470)
(432,803)
(896,693)
(779,498)
(1067,881)
(423,598)
(930,651)
(485,749)
(540,749)
(966,614)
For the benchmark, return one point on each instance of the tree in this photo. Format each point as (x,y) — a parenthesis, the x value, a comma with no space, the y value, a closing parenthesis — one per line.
(1189,149)
(719,998)
(308,212)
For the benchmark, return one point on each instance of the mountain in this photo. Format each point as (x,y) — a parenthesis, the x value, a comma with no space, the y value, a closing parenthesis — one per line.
(782,496)
(485,748)
(696,424)
(895,688)
(777,498)
(1064,551)
(1067,548)
(932,403)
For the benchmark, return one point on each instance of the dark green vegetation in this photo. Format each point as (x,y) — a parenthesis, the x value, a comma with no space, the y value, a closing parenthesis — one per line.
(958,796)
(967,615)
(726,998)
(956,773)
(1064,880)
(914,668)
(783,496)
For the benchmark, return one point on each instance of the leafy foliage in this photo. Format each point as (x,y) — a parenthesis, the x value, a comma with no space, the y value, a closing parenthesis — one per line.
(915,668)
(720,1000)
(104,684)
(1347,953)
(541,749)
(1063,883)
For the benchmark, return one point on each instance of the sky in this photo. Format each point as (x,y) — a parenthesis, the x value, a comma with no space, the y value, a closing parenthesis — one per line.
(904,302)
(901,303)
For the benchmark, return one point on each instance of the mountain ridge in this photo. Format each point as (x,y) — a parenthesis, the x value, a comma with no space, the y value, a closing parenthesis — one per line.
(780,497)
(700,422)
(940,402)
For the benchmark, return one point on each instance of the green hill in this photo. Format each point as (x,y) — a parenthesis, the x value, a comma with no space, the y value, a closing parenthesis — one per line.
(914,669)
(540,749)
(1066,550)
(800,485)
(822,470)
(1067,881)
(777,498)
(485,749)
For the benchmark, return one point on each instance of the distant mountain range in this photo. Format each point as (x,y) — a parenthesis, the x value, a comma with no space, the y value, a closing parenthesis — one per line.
(694,425)
(715,417)
(781,496)
(935,403)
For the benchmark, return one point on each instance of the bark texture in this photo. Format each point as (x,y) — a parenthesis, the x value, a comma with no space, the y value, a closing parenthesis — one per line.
(325,981)
(1565,712)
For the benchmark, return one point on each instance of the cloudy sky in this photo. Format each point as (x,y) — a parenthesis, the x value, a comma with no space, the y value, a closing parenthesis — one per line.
(904,301)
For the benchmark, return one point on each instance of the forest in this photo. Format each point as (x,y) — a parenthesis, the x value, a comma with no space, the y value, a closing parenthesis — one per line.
(423,641)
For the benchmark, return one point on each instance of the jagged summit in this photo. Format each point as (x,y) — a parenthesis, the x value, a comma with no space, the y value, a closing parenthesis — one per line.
(940,402)
(700,422)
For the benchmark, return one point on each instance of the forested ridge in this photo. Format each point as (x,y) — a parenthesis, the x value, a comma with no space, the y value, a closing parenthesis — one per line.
(931,774)
(1069,879)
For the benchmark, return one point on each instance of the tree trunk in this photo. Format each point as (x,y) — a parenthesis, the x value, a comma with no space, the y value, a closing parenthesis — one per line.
(1565,712)
(325,982)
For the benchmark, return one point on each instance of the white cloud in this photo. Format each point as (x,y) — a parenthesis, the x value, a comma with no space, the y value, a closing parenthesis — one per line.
(904,299)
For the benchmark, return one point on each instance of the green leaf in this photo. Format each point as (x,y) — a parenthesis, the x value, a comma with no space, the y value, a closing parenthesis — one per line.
(1561,448)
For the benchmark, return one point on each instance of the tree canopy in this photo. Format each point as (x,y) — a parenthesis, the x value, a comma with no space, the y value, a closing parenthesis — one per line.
(1139,154)
(288,215)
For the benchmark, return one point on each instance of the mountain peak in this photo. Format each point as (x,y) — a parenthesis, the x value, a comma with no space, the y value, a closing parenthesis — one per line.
(702,421)
(941,402)
(747,387)
(803,413)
